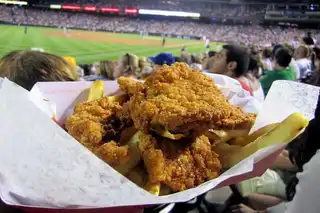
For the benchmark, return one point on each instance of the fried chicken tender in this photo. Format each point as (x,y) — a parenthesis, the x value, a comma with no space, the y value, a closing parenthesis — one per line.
(98,125)
(130,86)
(113,154)
(181,100)
(179,165)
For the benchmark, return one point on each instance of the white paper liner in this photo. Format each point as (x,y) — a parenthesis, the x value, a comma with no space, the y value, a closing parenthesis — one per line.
(41,165)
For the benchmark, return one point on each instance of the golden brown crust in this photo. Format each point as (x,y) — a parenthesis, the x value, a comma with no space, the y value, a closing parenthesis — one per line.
(177,97)
(179,166)
(88,125)
(130,86)
(86,122)
(113,154)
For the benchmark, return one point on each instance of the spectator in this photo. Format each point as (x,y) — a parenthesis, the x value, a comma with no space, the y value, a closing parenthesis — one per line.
(282,59)
(26,68)
(196,62)
(251,79)
(301,56)
(305,155)
(308,40)
(234,61)
(162,59)
(293,66)
(128,66)
(211,53)
(107,69)
(145,69)
(266,59)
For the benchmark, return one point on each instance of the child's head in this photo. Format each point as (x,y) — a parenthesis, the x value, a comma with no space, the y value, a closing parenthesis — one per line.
(282,58)
(26,68)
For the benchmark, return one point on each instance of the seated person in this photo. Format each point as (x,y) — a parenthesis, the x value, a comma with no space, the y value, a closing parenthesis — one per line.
(302,191)
(26,68)
(282,59)
(128,66)
(304,63)
(234,61)
(162,59)
(266,59)
(196,62)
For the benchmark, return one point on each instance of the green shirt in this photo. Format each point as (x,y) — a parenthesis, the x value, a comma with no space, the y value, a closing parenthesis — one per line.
(271,76)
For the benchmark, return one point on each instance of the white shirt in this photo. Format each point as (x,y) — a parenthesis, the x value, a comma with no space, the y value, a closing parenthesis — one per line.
(267,64)
(304,65)
(307,194)
(196,66)
(293,64)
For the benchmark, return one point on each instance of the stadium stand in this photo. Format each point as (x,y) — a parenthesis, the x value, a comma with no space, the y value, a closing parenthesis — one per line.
(273,42)
(247,34)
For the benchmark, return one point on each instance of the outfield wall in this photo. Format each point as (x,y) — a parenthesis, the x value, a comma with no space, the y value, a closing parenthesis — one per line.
(127,32)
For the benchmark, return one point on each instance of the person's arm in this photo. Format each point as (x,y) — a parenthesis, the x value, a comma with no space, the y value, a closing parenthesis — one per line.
(283,162)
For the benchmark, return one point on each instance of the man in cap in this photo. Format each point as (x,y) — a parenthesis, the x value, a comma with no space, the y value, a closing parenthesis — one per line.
(162,59)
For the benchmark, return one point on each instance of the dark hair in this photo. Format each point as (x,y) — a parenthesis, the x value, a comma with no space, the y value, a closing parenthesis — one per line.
(316,51)
(177,59)
(303,148)
(315,76)
(267,53)
(180,59)
(86,68)
(195,59)
(283,57)
(212,53)
(239,55)
(253,64)
(275,48)
(306,51)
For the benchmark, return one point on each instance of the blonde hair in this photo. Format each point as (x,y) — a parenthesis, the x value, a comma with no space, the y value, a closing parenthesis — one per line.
(128,66)
(107,69)
(26,68)
(70,60)
(305,51)
(196,59)
(186,57)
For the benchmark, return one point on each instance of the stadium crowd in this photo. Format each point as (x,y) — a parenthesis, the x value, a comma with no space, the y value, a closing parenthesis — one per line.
(247,34)
(204,7)
(255,57)
(247,67)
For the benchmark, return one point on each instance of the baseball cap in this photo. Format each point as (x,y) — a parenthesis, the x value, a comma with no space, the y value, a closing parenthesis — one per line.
(163,58)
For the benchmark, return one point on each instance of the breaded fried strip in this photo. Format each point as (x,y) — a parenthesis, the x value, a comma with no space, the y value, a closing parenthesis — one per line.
(181,100)
(180,165)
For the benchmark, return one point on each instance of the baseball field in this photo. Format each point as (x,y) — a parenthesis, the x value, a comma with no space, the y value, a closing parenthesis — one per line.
(89,47)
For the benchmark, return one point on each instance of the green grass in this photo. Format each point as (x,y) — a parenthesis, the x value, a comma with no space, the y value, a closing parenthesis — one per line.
(85,51)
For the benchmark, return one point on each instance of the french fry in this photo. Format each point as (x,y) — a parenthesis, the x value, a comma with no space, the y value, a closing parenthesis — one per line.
(224,151)
(283,133)
(222,136)
(135,156)
(121,98)
(96,90)
(138,175)
(166,134)
(153,188)
(245,140)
